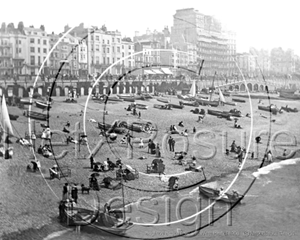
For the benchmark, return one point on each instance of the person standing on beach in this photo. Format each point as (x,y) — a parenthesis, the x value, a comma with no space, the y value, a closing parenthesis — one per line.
(269,156)
(157,150)
(66,191)
(74,193)
(140,114)
(173,145)
(92,161)
(170,142)
(194,129)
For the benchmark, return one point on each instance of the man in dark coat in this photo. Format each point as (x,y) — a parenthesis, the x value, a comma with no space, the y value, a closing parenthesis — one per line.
(74,193)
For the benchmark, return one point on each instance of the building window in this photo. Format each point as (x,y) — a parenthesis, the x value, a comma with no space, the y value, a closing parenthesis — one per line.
(118,40)
(32,49)
(39,50)
(39,41)
(122,54)
(113,49)
(118,49)
(97,38)
(113,39)
(103,60)
(39,60)
(129,47)
(97,47)
(107,50)
(103,49)
(107,41)
(20,50)
(107,60)
(97,60)
(103,41)
(45,50)
(45,42)
(32,60)
(113,60)
(31,40)
(20,42)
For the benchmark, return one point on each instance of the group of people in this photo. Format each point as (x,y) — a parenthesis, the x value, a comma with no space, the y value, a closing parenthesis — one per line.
(171,143)
(45,150)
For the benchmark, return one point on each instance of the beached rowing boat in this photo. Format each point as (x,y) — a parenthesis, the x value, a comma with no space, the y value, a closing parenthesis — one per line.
(204,102)
(180,106)
(141,106)
(238,100)
(191,104)
(272,108)
(165,107)
(36,115)
(42,105)
(218,113)
(215,195)
(164,100)
(230,103)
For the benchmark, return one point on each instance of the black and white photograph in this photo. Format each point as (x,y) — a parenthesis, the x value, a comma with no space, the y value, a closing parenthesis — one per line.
(147,120)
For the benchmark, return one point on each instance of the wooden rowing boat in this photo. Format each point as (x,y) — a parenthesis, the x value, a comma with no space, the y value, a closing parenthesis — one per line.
(42,105)
(214,194)
(191,104)
(272,108)
(165,107)
(205,102)
(35,115)
(141,106)
(238,100)
(164,100)
(180,106)
(230,103)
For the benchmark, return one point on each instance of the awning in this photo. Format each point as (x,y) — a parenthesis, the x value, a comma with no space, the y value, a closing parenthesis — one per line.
(157,71)
(166,71)
(148,72)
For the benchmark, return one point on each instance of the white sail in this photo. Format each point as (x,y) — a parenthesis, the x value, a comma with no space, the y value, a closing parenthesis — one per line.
(5,120)
(193,89)
(222,99)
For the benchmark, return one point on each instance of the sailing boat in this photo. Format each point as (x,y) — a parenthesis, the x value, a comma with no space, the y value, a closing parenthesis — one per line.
(109,221)
(193,89)
(221,99)
(6,129)
(209,102)
(192,94)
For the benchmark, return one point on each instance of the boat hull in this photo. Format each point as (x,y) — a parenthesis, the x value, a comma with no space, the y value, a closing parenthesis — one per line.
(35,115)
(163,100)
(164,107)
(214,194)
(238,100)
(268,109)
(204,102)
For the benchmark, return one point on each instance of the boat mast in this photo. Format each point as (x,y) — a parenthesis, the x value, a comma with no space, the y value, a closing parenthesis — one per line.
(212,86)
(124,217)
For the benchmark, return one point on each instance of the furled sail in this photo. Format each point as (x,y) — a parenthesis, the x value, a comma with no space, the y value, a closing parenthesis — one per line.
(193,89)
(222,99)
(5,120)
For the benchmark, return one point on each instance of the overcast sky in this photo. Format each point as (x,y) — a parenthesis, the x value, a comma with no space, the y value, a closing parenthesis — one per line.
(257,23)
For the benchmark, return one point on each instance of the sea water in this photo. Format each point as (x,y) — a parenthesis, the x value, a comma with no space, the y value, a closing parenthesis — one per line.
(270,210)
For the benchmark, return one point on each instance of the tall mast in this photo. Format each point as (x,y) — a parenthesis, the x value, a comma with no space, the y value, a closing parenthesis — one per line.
(212,87)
